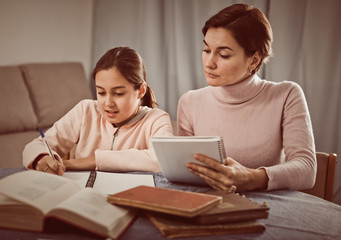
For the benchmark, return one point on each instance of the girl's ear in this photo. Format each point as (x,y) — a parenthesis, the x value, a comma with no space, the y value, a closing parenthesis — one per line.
(142,90)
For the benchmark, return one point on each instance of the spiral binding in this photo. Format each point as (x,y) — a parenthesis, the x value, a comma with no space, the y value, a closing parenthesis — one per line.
(221,148)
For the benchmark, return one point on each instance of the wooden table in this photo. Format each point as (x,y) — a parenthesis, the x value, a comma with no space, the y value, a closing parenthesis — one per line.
(292,215)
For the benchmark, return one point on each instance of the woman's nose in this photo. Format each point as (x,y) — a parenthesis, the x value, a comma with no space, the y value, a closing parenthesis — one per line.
(210,61)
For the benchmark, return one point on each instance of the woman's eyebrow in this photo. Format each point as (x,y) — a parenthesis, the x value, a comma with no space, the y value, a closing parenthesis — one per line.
(221,47)
(114,88)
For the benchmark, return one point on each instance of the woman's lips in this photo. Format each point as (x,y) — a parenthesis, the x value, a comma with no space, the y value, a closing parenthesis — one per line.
(211,75)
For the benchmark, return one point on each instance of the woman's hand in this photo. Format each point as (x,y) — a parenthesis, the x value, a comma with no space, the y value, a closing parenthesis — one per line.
(84,164)
(230,173)
(49,165)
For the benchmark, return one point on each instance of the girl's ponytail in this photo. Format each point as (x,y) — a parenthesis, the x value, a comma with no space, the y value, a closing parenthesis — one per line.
(149,98)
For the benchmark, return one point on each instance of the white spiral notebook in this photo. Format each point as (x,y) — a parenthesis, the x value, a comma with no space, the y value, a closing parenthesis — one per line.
(174,152)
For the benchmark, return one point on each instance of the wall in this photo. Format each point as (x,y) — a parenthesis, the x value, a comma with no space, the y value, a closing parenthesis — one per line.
(46,31)
(62,30)
(168,36)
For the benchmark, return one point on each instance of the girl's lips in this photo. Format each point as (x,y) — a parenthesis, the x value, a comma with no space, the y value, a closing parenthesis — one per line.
(111,114)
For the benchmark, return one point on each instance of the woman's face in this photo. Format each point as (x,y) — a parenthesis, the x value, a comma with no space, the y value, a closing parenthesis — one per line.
(116,97)
(224,60)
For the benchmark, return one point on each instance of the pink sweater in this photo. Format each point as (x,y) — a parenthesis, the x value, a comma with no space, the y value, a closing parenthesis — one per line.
(263,125)
(129,150)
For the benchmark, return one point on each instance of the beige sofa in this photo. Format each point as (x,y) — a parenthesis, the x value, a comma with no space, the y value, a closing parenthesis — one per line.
(34,96)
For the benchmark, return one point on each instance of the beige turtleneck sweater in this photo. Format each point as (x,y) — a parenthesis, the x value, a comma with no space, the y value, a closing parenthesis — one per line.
(263,125)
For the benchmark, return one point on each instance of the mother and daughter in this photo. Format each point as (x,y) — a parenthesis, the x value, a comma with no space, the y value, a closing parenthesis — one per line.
(266,126)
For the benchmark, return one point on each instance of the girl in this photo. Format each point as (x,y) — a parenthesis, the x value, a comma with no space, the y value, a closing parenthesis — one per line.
(112,133)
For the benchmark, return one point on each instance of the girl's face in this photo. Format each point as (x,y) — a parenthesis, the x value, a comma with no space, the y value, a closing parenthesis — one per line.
(116,97)
(224,60)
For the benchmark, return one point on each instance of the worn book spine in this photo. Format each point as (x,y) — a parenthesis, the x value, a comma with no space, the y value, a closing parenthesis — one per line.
(176,229)
(91,180)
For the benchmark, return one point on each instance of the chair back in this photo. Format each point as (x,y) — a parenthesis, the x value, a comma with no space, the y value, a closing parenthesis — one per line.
(324,184)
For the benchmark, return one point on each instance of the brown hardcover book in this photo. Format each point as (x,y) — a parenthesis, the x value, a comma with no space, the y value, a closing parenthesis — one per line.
(174,229)
(29,199)
(234,208)
(164,200)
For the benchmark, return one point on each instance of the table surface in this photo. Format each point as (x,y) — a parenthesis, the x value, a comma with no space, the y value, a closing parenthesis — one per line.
(292,215)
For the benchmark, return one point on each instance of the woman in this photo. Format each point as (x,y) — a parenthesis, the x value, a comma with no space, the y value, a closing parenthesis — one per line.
(265,126)
(112,133)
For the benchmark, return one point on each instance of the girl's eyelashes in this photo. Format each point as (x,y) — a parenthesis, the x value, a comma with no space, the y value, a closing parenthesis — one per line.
(114,93)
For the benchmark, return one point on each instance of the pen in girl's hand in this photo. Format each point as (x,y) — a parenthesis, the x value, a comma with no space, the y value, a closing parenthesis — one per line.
(46,144)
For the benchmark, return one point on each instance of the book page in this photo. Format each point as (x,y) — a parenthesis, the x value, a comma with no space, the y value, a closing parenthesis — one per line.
(110,183)
(4,200)
(38,189)
(80,177)
(90,210)
(186,139)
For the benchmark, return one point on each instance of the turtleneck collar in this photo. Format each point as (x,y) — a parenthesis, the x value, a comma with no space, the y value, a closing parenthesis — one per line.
(239,92)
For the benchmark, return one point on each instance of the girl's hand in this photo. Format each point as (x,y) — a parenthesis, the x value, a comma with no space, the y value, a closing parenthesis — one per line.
(49,165)
(84,164)
(228,175)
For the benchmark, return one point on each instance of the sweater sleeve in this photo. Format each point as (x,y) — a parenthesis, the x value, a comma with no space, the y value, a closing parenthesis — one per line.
(136,159)
(298,171)
(62,136)
(184,123)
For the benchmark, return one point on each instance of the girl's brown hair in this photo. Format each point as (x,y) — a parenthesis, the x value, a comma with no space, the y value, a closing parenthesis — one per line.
(130,64)
(249,26)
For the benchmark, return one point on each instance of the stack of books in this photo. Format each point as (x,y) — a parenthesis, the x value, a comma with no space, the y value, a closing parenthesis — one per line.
(179,213)
(38,201)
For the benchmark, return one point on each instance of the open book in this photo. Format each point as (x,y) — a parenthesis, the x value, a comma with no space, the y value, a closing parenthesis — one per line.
(29,199)
(108,182)
(174,152)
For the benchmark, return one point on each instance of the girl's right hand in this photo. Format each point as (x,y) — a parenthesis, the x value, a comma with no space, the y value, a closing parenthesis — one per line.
(49,165)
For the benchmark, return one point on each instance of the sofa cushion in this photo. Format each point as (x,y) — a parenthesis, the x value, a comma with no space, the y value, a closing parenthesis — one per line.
(12,146)
(55,88)
(17,113)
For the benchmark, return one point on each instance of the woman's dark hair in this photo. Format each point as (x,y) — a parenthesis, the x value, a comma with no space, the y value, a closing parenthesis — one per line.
(249,26)
(130,64)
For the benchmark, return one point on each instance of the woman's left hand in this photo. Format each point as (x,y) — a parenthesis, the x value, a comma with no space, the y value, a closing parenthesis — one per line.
(231,173)
(83,164)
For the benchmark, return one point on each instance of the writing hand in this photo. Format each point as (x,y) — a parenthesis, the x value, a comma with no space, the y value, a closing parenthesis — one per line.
(49,165)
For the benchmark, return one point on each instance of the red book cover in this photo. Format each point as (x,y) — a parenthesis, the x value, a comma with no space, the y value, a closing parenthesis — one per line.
(164,200)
